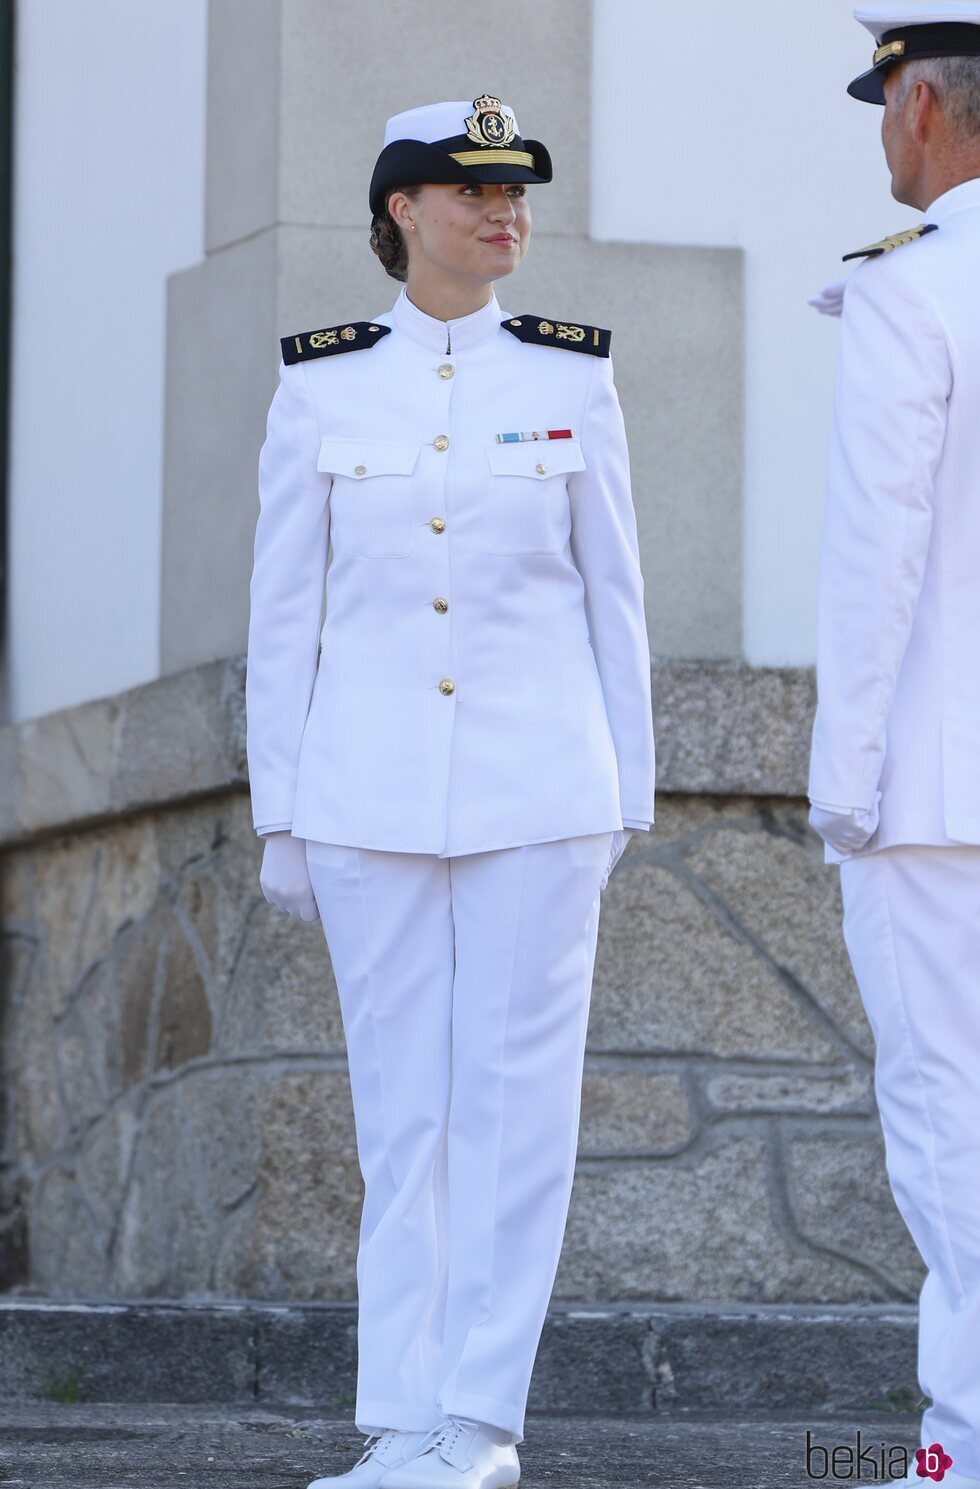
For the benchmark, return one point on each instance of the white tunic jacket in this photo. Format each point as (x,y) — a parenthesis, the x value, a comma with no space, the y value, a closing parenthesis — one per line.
(484,679)
(898,663)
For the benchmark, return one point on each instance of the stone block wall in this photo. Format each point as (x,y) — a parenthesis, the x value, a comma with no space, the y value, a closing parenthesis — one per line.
(177,1120)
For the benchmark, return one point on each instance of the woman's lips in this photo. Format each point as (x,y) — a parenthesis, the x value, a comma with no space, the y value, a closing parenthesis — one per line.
(503,240)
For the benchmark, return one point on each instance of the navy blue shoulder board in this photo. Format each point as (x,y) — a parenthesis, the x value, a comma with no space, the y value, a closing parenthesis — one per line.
(353,337)
(539,332)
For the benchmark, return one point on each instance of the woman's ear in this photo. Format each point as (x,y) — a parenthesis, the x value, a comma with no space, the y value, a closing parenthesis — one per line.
(400,210)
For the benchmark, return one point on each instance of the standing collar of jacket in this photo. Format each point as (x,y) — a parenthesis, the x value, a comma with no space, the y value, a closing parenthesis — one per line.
(957,199)
(465,331)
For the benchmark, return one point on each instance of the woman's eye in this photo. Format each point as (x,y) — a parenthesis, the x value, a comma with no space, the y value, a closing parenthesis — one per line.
(518,190)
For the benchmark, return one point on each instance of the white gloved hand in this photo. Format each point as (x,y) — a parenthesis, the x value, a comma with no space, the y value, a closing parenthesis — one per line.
(618,847)
(845,829)
(830,300)
(285,877)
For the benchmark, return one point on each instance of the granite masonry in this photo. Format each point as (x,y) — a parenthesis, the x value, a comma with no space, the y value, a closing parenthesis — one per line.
(177,1120)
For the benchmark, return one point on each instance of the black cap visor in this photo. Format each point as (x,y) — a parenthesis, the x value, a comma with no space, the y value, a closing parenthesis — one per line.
(955,39)
(415,163)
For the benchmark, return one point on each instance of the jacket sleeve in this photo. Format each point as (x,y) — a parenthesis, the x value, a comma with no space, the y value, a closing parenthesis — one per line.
(286,591)
(606,553)
(893,384)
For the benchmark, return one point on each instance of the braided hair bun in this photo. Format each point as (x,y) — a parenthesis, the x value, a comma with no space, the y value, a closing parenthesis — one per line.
(386,237)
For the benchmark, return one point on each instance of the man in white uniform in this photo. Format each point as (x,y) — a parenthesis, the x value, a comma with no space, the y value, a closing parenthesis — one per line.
(895,769)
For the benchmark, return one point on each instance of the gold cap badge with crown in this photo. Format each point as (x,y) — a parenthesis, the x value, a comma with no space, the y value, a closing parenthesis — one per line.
(488,126)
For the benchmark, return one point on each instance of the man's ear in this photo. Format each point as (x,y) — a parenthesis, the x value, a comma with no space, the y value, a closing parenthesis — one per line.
(923,108)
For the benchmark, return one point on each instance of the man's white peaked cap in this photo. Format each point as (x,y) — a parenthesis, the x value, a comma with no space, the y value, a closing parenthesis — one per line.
(888,16)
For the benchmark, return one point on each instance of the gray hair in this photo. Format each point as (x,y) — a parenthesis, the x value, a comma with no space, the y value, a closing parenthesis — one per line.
(956,83)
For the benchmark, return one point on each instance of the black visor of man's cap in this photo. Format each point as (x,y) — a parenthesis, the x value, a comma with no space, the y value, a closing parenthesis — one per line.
(415,163)
(948,39)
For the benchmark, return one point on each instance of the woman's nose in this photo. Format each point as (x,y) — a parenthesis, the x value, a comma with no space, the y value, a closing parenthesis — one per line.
(503,210)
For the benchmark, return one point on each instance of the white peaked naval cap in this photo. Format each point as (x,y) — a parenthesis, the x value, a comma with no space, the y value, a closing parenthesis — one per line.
(456,142)
(435,121)
(887,15)
(905,32)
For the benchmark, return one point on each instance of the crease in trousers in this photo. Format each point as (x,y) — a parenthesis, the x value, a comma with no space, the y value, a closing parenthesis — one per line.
(464,986)
(912,929)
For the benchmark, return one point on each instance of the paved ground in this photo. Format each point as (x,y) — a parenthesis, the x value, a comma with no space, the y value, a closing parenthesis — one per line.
(55,1445)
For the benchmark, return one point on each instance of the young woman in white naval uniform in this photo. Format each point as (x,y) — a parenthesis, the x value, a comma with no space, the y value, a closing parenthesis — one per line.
(447,781)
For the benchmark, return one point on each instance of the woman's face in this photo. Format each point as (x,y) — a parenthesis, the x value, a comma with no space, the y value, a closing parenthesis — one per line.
(479,231)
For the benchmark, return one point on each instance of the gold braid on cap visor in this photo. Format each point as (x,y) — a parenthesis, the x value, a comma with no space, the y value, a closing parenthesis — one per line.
(493,157)
(890,49)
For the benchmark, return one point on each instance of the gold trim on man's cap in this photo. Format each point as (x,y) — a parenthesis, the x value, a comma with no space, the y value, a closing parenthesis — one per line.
(891,49)
(493,157)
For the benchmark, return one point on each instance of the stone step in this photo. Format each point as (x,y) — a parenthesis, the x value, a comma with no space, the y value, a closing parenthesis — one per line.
(615,1360)
(48,1445)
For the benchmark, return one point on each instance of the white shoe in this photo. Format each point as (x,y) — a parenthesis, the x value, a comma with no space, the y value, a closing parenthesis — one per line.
(384,1451)
(457,1456)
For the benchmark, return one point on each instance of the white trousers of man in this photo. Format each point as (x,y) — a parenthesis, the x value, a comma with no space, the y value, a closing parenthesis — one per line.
(912,928)
(464,985)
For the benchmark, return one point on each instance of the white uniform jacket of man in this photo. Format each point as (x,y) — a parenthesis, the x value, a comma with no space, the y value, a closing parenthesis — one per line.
(484,678)
(899,589)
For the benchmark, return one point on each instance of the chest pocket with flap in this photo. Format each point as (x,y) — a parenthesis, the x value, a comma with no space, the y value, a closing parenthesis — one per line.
(370,499)
(526,508)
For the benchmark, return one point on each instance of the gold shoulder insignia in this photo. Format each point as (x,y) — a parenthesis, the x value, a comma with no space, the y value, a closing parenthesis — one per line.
(897,240)
(333,339)
(539,332)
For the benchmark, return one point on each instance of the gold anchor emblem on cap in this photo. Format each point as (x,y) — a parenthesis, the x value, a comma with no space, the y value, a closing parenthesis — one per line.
(488,126)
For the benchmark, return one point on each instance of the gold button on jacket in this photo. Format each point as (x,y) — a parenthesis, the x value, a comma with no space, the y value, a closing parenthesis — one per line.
(447,685)
(441,441)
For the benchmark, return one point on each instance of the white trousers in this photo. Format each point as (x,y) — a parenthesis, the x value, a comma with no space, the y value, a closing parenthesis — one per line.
(912,928)
(464,985)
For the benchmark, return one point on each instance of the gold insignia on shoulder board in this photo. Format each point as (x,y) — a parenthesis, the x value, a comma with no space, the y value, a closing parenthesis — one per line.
(897,240)
(332,341)
(563,336)
(488,125)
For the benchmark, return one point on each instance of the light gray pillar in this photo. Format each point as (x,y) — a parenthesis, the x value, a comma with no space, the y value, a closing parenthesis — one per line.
(298,93)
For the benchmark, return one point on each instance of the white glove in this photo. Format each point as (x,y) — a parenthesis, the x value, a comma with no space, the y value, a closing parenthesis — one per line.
(618,847)
(285,878)
(830,300)
(845,829)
